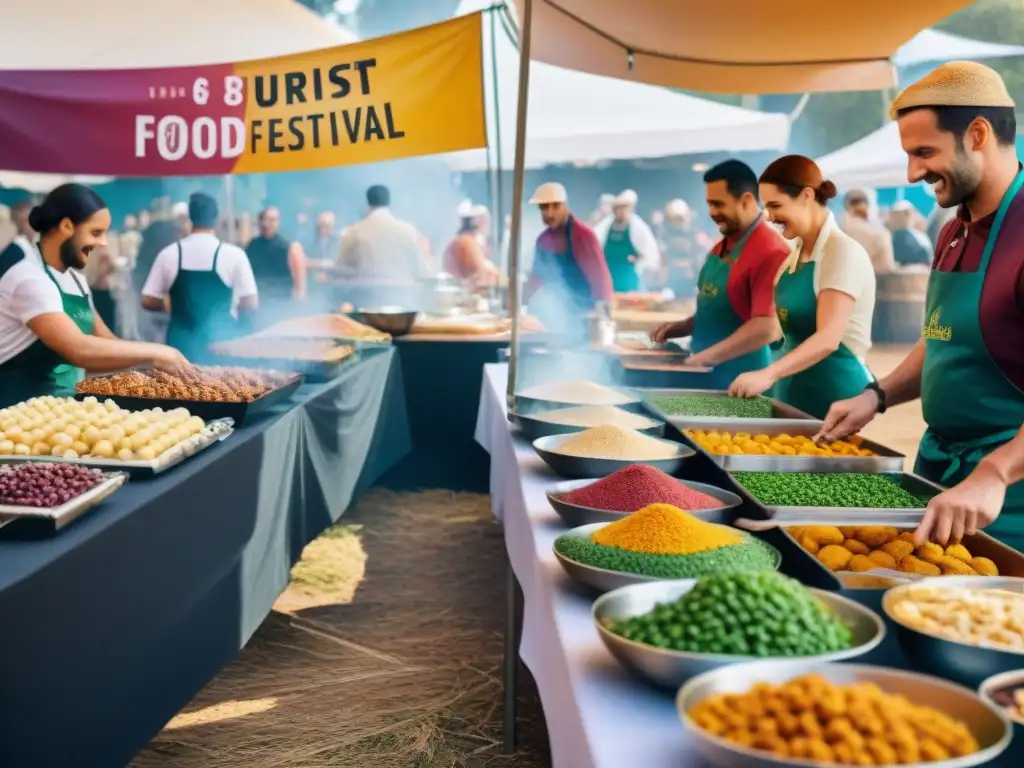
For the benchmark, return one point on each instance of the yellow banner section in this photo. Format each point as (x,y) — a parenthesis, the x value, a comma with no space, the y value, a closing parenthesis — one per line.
(416,93)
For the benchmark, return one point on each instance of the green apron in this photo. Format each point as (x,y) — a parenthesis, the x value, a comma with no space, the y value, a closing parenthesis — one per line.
(716,319)
(839,376)
(200,311)
(38,370)
(970,407)
(618,249)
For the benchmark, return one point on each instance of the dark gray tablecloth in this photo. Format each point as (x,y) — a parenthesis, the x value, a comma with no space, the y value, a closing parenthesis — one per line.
(108,628)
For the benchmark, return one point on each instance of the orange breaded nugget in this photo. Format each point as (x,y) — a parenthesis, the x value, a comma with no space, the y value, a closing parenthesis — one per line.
(876,535)
(907,536)
(959,551)
(857,547)
(834,557)
(984,567)
(809,544)
(849,531)
(930,552)
(824,534)
(882,559)
(911,564)
(898,549)
(952,566)
(861,563)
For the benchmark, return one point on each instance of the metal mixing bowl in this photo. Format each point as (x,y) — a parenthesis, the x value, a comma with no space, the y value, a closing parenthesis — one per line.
(526,405)
(603,580)
(987,722)
(586,466)
(531,428)
(392,320)
(574,515)
(967,664)
(669,669)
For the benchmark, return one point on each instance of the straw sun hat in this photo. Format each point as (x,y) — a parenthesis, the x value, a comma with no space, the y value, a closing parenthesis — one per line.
(955,84)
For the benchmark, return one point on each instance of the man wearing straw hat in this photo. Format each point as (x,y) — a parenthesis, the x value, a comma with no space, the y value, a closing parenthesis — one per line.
(569,274)
(957,126)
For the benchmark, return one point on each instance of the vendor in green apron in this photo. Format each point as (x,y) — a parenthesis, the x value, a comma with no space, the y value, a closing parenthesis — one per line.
(49,330)
(958,128)
(207,286)
(630,247)
(735,319)
(824,297)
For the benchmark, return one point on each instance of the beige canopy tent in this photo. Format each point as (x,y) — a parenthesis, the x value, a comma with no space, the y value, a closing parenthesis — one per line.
(788,46)
(746,46)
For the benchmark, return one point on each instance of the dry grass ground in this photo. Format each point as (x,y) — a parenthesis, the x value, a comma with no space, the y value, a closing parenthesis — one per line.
(385,652)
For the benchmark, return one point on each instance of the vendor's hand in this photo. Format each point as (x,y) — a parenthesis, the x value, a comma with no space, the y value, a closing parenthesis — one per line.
(963,509)
(667,331)
(847,417)
(700,360)
(752,383)
(169,360)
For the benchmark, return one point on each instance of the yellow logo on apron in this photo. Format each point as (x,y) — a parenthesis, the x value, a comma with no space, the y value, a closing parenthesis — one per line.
(783,314)
(709,290)
(934,331)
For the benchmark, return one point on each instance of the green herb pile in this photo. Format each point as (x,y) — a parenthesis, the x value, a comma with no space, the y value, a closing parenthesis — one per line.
(829,489)
(742,614)
(749,555)
(722,406)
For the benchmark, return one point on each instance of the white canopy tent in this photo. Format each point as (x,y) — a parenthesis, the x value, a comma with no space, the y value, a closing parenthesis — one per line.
(584,118)
(877,160)
(122,34)
(932,46)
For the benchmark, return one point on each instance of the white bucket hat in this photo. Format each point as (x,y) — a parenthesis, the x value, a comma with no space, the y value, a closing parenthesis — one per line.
(677,207)
(550,192)
(626,197)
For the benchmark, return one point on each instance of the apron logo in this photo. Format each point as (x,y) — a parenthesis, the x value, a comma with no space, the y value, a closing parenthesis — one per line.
(783,314)
(709,290)
(934,331)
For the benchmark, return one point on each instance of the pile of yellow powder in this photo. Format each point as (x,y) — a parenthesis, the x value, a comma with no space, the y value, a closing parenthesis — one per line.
(661,529)
(576,392)
(595,416)
(608,442)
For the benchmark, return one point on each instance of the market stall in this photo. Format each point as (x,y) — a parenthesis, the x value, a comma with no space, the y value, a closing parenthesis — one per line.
(116,621)
(608,715)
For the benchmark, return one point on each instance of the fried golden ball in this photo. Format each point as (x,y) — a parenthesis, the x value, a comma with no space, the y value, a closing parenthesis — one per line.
(882,559)
(857,547)
(911,564)
(835,557)
(984,567)
(959,551)
(876,535)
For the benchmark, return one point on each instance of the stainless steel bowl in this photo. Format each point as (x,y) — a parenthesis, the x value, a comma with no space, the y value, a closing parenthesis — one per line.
(603,580)
(394,321)
(527,405)
(967,664)
(670,669)
(989,725)
(531,428)
(586,466)
(574,515)
(996,683)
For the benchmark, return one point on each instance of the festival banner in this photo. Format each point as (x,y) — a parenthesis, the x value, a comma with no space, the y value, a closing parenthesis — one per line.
(415,93)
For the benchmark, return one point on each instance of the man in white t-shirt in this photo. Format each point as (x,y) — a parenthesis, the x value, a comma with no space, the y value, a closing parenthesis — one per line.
(206,285)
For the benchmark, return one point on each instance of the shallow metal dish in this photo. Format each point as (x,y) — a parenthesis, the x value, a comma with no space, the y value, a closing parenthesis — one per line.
(989,725)
(390,320)
(969,665)
(886,460)
(604,580)
(531,428)
(996,683)
(784,416)
(670,669)
(55,518)
(527,405)
(586,466)
(574,515)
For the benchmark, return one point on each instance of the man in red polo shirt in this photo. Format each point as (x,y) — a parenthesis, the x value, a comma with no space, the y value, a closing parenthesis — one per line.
(735,319)
(958,128)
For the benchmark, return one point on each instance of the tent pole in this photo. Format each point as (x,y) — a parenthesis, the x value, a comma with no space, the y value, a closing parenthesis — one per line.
(498,218)
(515,299)
(229,206)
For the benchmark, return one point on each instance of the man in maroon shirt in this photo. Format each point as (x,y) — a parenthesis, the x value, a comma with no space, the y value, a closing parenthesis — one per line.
(569,273)
(735,320)
(958,128)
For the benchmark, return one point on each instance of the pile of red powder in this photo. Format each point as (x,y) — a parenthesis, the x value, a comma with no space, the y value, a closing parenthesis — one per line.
(634,487)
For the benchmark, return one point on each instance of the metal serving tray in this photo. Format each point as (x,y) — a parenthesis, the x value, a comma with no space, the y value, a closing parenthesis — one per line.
(215,432)
(206,409)
(55,518)
(783,416)
(887,459)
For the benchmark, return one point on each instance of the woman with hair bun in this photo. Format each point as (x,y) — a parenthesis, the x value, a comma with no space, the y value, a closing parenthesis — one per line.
(825,295)
(49,329)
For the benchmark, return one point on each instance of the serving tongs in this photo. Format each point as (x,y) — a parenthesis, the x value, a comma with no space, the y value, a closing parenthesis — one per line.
(897,518)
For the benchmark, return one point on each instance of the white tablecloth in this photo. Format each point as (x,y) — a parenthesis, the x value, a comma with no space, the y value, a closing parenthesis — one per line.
(597,714)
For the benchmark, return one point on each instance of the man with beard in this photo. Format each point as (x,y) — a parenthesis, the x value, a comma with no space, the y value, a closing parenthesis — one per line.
(735,319)
(957,126)
(49,329)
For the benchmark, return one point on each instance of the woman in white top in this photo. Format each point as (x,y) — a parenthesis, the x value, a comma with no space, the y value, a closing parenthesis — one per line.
(825,296)
(49,330)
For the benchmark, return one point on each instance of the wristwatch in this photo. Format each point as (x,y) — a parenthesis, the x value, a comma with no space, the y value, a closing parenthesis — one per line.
(875,387)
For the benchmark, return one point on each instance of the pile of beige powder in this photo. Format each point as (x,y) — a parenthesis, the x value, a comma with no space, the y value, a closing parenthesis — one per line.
(595,416)
(608,442)
(577,392)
